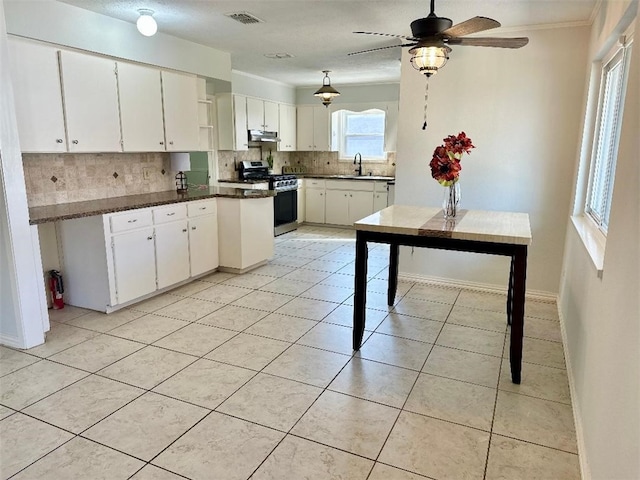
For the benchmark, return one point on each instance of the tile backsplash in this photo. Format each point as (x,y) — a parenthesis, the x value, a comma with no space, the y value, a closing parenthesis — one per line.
(61,178)
(325,163)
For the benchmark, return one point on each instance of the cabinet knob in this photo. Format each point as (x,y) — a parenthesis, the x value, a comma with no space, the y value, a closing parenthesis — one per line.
(161,143)
(132,221)
(58,140)
(171,142)
(184,230)
(171,214)
(75,142)
(193,228)
(149,238)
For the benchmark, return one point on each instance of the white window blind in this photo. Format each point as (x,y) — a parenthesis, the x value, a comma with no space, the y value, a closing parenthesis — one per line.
(361,132)
(607,134)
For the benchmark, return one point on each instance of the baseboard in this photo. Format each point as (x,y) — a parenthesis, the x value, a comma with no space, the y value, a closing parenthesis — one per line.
(585,471)
(482,287)
(12,342)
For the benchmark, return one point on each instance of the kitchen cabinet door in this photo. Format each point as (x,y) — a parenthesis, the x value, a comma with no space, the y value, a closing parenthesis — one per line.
(379,201)
(304,129)
(134,263)
(90,93)
(140,95)
(337,207)
(203,244)
(315,208)
(271,122)
(302,203)
(321,138)
(38,96)
(172,253)
(313,129)
(287,132)
(360,206)
(180,102)
(241,136)
(255,114)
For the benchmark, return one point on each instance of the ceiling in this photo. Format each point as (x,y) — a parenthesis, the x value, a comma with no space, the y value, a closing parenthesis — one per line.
(318,33)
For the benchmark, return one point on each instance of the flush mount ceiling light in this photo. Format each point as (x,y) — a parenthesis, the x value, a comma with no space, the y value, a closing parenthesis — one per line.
(326,92)
(146,24)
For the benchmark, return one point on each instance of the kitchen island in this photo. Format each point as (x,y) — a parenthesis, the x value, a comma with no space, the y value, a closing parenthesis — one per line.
(119,251)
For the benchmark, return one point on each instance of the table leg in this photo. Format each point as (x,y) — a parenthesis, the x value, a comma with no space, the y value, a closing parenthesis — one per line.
(510,293)
(517,312)
(393,274)
(360,294)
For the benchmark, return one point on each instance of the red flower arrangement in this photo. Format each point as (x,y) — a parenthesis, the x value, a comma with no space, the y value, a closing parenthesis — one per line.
(445,164)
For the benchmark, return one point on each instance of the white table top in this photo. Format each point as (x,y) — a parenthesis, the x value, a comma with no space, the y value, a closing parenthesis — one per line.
(485,226)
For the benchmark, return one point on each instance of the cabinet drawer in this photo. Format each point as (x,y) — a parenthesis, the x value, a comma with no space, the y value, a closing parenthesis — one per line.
(130,220)
(170,213)
(380,187)
(314,183)
(353,185)
(204,207)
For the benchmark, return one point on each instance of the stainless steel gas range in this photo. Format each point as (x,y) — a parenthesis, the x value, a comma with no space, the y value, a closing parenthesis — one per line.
(285,203)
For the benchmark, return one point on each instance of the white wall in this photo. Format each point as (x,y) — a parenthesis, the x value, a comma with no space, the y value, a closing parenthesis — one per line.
(601,316)
(254,86)
(21,311)
(522,109)
(67,25)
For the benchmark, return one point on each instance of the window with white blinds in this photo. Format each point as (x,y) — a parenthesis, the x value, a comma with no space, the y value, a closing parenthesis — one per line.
(606,138)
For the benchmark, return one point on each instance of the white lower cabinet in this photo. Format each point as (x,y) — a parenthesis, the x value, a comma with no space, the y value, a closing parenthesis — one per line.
(203,237)
(380,201)
(360,206)
(337,207)
(301,201)
(112,260)
(172,253)
(134,268)
(315,205)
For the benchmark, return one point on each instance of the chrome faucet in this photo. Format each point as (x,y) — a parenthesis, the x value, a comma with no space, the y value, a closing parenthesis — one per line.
(357,160)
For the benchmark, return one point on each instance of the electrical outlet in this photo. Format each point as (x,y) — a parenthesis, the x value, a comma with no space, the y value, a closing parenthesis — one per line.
(146,173)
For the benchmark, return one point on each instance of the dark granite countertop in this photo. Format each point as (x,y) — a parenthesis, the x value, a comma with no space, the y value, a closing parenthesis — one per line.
(346,177)
(66,211)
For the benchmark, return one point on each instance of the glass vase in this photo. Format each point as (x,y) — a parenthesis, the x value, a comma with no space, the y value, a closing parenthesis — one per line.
(451,200)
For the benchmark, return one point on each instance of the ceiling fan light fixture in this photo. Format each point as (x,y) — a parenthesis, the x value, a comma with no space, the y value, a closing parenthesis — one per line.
(429,60)
(146,24)
(326,93)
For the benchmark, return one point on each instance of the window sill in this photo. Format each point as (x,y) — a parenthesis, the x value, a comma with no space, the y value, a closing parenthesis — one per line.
(592,239)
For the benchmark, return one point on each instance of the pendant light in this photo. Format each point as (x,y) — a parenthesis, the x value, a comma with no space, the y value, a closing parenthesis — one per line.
(146,24)
(326,92)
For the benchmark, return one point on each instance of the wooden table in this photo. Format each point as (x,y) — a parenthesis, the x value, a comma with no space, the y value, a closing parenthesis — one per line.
(494,233)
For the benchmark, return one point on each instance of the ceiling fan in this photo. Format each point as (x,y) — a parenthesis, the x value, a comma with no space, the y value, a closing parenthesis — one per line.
(431,37)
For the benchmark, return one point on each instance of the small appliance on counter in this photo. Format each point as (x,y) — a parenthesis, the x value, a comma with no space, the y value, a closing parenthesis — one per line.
(285,203)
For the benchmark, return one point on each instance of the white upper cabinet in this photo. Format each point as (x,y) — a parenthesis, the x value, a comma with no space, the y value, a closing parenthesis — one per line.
(38,96)
(287,132)
(262,115)
(313,128)
(140,108)
(255,114)
(180,100)
(271,123)
(90,94)
(241,136)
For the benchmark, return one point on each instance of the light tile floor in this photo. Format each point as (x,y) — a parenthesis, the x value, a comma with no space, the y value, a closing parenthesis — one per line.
(253,376)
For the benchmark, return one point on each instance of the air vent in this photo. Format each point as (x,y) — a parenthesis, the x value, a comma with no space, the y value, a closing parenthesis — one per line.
(244,17)
(278,55)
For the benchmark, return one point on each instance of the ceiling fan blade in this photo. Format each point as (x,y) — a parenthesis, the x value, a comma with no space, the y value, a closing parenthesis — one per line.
(473,25)
(383,48)
(388,35)
(489,42)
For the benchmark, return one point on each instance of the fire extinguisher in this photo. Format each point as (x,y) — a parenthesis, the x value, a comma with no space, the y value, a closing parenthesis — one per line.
(57,289)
